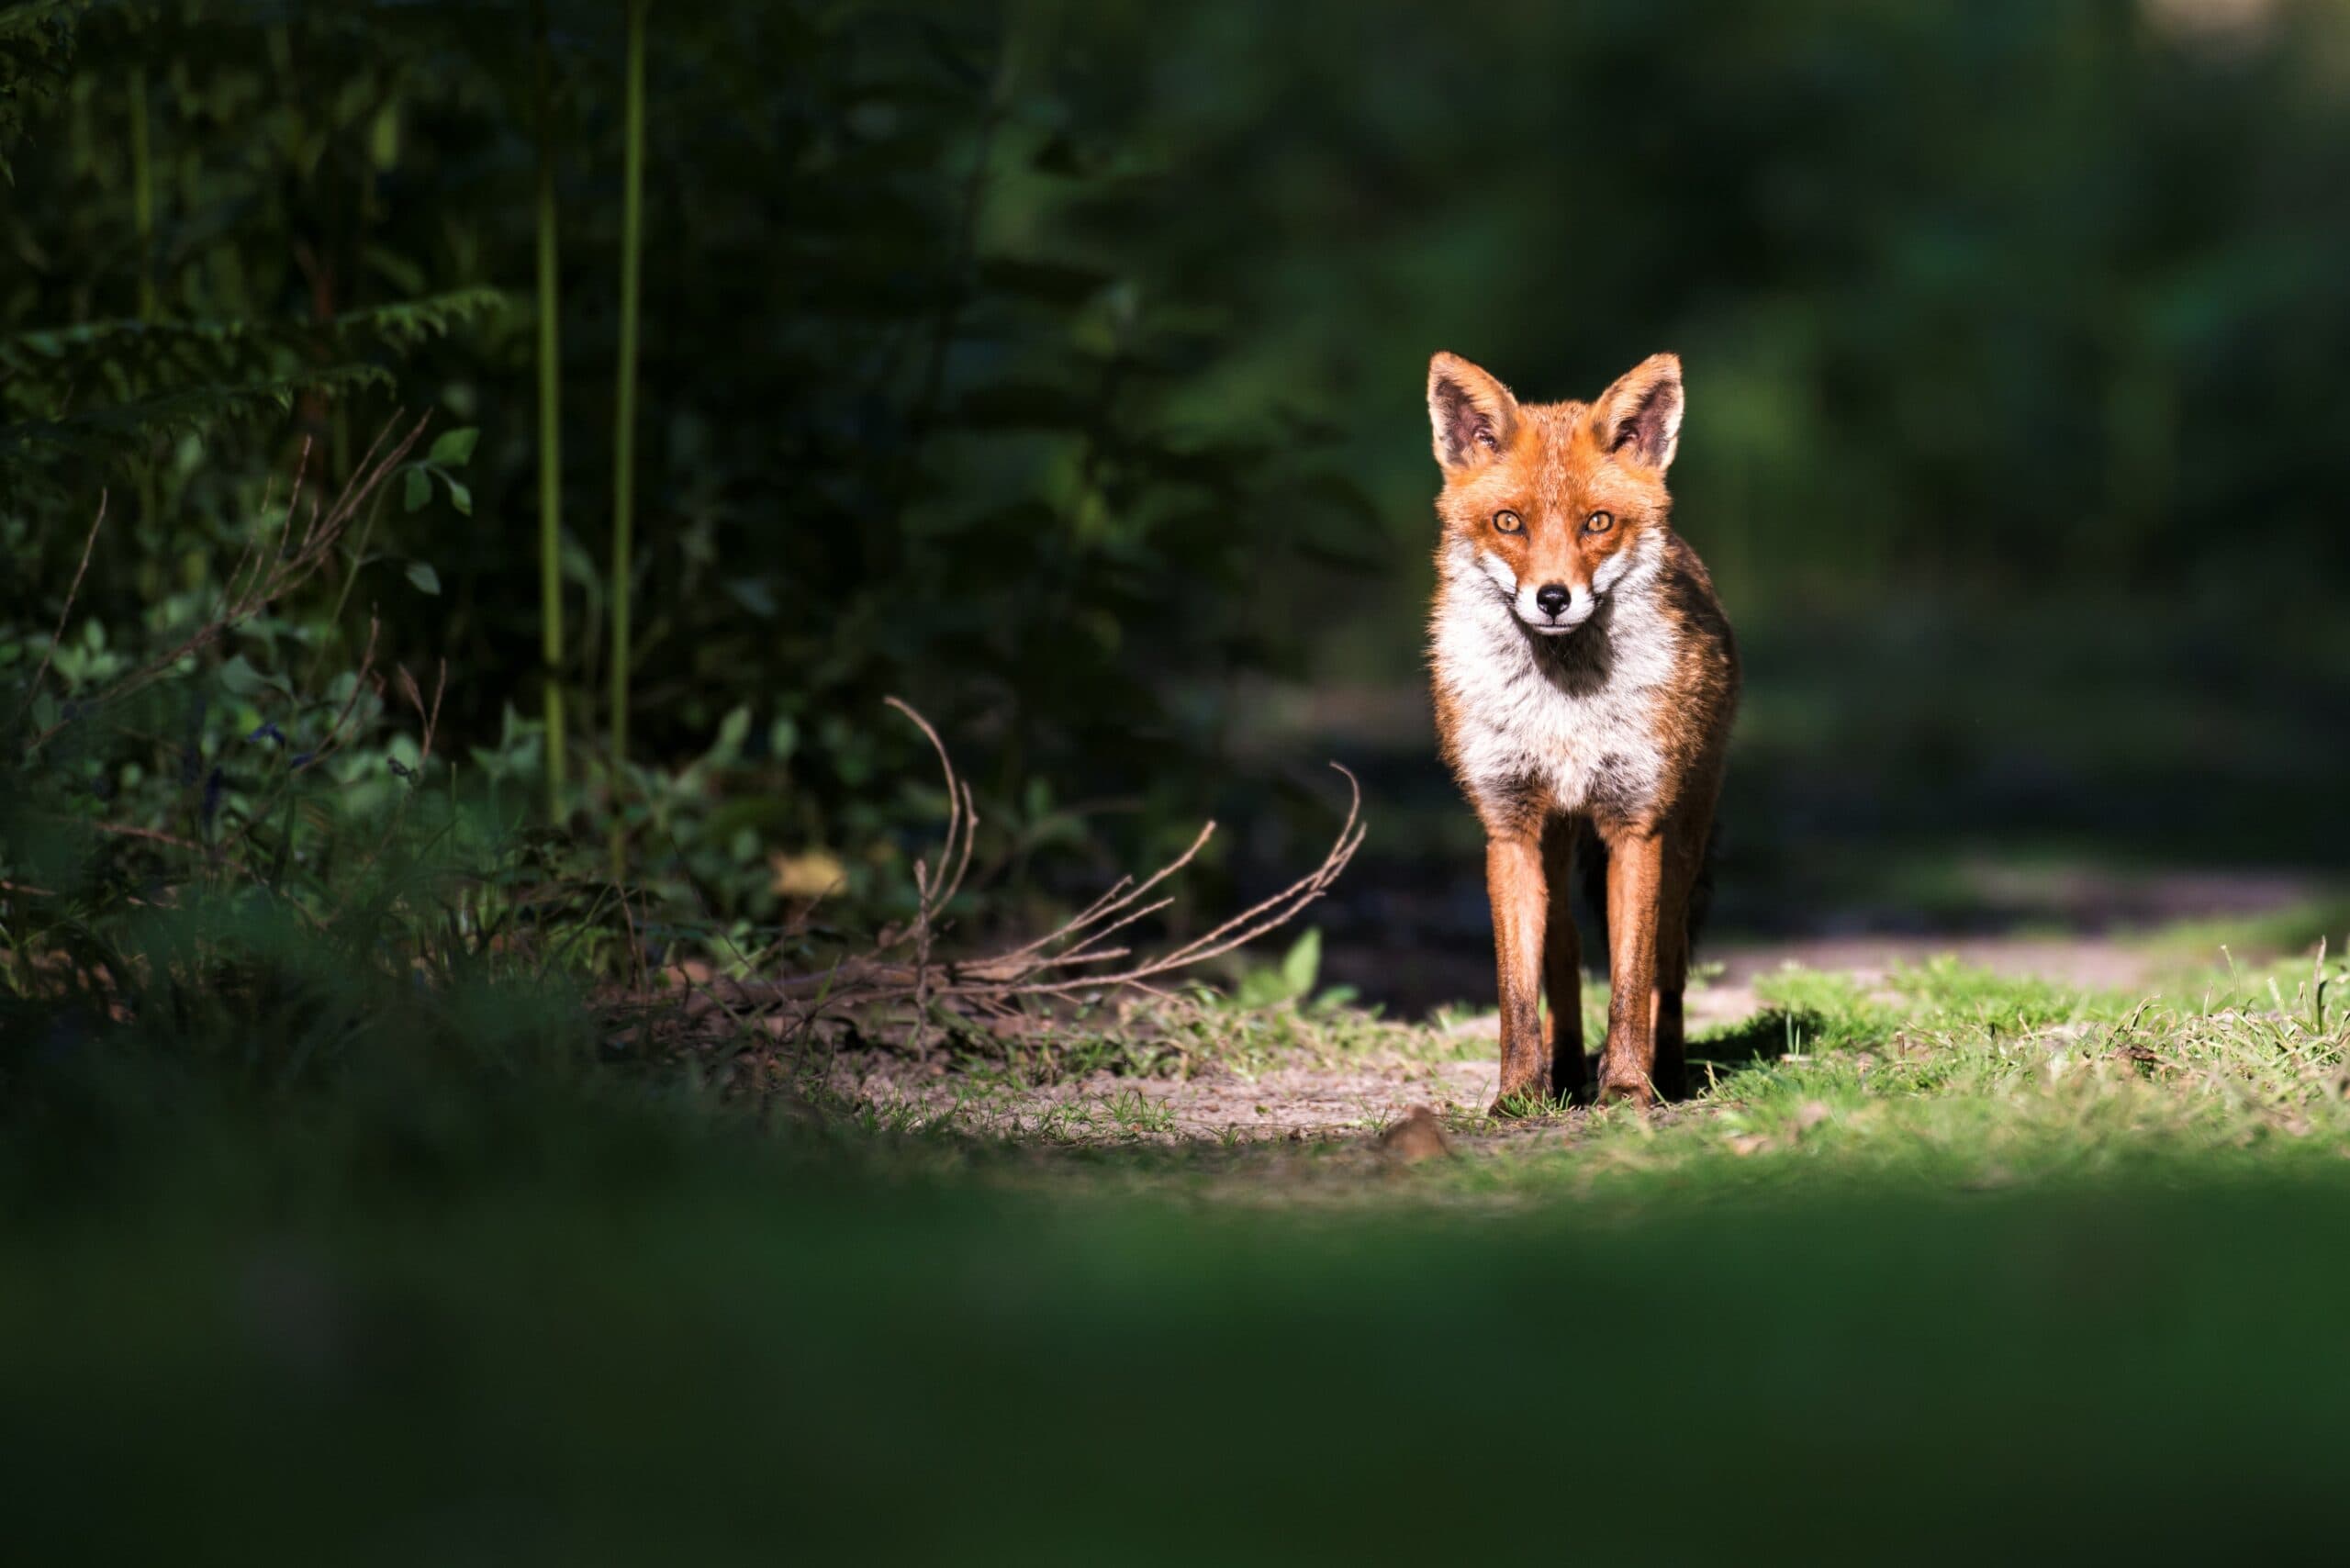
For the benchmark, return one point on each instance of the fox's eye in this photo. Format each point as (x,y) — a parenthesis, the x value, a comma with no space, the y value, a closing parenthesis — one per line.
(1598,522)
(1509,522)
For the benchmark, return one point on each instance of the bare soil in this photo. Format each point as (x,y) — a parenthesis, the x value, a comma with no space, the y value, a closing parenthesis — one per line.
(1300,1100)
(1452,1070)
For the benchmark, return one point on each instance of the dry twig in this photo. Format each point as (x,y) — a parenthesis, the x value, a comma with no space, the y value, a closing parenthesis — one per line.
(65,611)
(265,573)
(1059,963)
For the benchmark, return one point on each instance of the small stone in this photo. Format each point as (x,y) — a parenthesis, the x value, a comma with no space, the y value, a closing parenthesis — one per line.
(1417,1135)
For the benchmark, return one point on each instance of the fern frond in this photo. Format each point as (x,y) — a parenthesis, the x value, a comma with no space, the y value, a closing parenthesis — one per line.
(128,427)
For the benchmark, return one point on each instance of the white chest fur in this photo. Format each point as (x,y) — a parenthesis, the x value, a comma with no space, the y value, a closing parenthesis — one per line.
(1576,717)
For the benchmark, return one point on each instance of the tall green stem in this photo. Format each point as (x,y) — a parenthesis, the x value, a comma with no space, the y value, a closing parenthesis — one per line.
(142,192)
(624,409)
(143,218)
(550,418)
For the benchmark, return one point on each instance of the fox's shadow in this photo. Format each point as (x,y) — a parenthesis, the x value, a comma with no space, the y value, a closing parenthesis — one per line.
(1763,1038)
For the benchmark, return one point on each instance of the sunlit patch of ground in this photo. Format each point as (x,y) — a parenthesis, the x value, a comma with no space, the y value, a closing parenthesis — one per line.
(1977,1060)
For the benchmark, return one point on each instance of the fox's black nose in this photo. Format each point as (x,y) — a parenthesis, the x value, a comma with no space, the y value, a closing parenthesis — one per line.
(1552,598)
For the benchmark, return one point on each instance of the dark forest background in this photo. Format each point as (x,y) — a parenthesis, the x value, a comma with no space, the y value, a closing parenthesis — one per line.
(1059,368)
(399,1159)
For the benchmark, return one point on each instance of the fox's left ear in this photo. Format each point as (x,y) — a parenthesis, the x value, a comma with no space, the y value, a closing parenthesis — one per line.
(1472,414)
(1640,416)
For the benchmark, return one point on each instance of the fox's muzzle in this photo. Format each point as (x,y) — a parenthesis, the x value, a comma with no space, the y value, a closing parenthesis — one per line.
(1554,609)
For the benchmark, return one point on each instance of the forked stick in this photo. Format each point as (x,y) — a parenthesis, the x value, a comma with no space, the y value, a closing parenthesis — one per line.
(1056,964)
(273,572)
(73,590)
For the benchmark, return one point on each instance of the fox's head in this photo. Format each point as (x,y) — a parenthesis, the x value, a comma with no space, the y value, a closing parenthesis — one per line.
(1559,504)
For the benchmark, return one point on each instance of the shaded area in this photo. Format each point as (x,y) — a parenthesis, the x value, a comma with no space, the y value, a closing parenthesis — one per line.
(1932,781)
(1763,1036)
(728,1357)
(1060,369)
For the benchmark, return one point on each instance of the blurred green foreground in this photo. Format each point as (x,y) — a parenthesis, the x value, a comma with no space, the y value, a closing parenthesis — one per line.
(612,1340)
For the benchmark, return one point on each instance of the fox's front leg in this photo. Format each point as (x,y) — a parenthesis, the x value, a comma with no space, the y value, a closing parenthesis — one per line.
(1562,960)
(1635,880)
(1515,886)
(1683,852)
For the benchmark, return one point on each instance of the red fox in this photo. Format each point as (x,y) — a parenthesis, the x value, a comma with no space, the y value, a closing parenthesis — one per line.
(1584,679)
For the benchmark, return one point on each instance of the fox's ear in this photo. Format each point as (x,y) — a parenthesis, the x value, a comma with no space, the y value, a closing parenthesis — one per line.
(1473,415)
(1640,416)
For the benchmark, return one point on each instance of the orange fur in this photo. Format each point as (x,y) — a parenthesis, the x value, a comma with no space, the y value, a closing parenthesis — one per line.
(1584,676)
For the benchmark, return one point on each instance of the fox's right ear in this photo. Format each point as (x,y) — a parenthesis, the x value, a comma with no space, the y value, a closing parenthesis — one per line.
(1472,415)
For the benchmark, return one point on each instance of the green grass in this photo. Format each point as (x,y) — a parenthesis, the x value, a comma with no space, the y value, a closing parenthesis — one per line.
(1940,1073)
(724,1352)
(1946,1268)
(1942,1077)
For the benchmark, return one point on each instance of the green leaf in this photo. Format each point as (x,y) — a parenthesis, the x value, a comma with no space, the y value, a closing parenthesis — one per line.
(733,731)
(426,580)
(751,595)
(1337,998)
(415,490)
(455,448)
(460,496)
(396,270)
(383,137)
(243,681)
(1302,964)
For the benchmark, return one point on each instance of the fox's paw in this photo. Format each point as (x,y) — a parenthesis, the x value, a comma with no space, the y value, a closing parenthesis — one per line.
(1519,1102)
(1626,1088)
(1524,1089)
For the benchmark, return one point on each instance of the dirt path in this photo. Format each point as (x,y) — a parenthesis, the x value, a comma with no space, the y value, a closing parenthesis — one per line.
(1350,1094)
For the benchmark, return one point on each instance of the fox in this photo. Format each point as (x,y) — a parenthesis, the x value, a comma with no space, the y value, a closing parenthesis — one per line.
(1585,679)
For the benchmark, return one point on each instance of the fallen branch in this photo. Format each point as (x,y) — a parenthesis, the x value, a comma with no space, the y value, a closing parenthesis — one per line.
(1058,963)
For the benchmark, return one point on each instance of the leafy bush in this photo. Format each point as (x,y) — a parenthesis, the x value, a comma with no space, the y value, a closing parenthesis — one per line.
(907,430)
